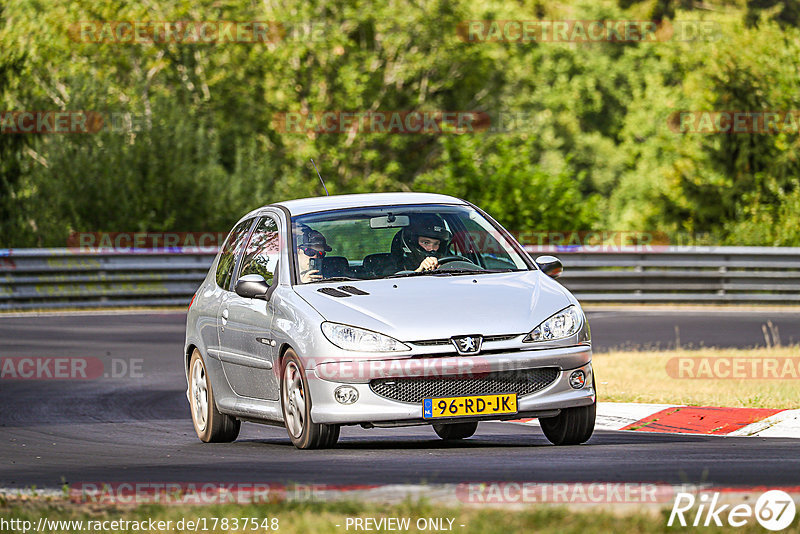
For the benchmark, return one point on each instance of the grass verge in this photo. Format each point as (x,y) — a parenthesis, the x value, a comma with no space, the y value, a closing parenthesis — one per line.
(323,518)
(704,377)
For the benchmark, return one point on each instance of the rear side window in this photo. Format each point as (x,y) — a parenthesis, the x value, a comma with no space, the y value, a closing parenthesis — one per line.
(263,250)
(230,250)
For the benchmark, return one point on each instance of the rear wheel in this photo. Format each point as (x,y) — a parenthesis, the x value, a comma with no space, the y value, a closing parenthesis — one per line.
(455,430)
(211,425)
(296,405)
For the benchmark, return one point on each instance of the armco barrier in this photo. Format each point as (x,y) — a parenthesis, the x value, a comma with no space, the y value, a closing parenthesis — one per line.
(65,278)
(683,274)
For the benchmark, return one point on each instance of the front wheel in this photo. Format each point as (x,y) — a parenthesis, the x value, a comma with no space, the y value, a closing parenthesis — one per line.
(296,405)
(455,430)
(572,426)
(211,425)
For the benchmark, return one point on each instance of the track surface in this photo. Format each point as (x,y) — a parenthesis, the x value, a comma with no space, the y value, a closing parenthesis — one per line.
(138,428)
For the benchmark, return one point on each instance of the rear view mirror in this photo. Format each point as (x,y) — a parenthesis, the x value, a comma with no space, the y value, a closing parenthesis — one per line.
(252,286)
(389,221)
(550,265)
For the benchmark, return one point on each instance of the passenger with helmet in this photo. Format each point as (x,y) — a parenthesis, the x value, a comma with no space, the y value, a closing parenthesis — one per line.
(311,248)
(424,241)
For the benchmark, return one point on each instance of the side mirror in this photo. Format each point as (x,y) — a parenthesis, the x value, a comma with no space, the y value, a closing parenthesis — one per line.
(252,286)
(550,265)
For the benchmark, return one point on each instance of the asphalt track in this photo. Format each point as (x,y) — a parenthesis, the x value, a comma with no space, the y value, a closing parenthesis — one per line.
(137,427)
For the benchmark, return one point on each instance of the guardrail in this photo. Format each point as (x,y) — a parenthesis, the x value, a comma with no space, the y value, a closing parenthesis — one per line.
(683,274)
(66,278)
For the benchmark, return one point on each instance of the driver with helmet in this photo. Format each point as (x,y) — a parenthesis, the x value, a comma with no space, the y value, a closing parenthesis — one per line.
(311,248)
(424,241)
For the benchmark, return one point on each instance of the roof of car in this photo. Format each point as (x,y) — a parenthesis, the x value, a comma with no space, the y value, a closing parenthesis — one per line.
(310,205)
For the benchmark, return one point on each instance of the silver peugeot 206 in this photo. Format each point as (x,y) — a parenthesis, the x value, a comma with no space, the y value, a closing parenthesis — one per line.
(382,310)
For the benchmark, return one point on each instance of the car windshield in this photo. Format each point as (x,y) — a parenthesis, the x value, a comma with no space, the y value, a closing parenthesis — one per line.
(397,241)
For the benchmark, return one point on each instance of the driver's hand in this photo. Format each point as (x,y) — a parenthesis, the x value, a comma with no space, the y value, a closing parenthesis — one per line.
(428,264)
(310,276)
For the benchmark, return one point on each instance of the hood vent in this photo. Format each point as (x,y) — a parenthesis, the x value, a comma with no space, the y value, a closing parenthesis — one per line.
(353,290)
(333,292)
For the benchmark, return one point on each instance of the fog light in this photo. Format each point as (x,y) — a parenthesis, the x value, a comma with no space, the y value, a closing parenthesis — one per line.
(577,379)
(345,395)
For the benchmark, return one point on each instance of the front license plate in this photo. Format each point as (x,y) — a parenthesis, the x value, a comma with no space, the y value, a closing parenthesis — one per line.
(465,406)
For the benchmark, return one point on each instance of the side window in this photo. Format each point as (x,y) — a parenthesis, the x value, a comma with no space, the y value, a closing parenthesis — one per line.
(263,251)
(231,248)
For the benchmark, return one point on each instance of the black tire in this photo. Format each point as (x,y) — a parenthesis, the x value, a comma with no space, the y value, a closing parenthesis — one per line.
(455,430)
(305,434)
(332,438)
(211,425)
(572,426)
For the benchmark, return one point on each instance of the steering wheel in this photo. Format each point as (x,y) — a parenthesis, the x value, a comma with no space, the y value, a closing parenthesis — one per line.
(442,261)
(449,259)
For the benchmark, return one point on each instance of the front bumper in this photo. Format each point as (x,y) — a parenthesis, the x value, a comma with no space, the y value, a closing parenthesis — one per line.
(372,408)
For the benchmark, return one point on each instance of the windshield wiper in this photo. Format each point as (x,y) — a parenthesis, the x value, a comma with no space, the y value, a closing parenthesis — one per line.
(421,273)
(476,271)
(452,272)
(335,279)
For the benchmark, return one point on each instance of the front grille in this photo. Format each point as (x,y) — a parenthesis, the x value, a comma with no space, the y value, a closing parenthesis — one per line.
(500,338)
(522,382)
(439,342)
(432,342)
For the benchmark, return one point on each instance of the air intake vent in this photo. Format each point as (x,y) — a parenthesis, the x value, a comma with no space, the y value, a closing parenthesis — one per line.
(353,290)
(442,342)
(500,338)
(522,382)
(333,292)
(432,342)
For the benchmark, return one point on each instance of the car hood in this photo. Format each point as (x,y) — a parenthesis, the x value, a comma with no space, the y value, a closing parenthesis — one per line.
(437,307)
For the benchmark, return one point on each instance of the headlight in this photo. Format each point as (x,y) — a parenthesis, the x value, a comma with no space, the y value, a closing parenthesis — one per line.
(565,323)
(352,338)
